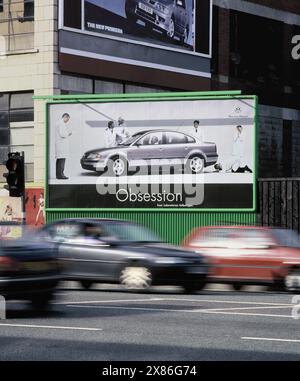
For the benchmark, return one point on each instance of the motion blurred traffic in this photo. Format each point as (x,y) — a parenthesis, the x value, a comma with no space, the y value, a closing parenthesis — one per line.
(92,251)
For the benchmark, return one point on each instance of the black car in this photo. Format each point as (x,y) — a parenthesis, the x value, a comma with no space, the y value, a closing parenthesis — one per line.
(29,270)
(114,251)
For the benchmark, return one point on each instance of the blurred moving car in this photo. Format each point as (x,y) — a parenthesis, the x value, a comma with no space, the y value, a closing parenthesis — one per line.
(241,255)
(114,251)
(153,147)
(29,270)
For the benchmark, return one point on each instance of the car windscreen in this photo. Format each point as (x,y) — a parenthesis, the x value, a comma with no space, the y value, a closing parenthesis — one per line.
(287,237)
(131,140)
(130,233)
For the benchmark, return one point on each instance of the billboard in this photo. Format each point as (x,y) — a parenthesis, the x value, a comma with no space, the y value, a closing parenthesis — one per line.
(142,154)
(168,23)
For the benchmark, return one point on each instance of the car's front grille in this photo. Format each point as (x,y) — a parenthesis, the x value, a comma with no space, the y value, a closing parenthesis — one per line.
(146,15)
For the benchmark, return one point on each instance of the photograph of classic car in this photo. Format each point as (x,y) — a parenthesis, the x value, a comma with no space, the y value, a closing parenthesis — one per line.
(170,16)
(153,147)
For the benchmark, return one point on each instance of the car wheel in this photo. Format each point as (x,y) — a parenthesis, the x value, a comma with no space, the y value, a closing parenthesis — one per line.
(118,167)
(192,287)
(195,164)
(292,281)
(86,284)
(41,302)
(237,286)
(136,278)
(171,30)
(129,14)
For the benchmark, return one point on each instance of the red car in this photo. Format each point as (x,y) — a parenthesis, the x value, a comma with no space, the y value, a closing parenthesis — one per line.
(241,255)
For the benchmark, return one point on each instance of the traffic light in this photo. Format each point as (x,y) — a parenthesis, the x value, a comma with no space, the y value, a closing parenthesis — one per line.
(15,177)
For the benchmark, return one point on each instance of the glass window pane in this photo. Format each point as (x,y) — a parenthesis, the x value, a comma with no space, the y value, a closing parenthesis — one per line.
(4,101)
(23,100)
(3,154)
(4,137)
(21,116)
(4,119)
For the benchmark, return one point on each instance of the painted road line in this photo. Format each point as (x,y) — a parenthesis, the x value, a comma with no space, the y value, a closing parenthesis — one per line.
(227,302)
(250,308)
(50,327)
(204,311)
(111,301)
(271,339)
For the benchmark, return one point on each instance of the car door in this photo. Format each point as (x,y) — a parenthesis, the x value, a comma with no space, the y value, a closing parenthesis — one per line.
(176,146)
(149,148)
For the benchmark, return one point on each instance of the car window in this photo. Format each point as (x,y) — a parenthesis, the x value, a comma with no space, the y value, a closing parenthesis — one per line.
(64,231)
(176,138)
(286,237)
(154,138)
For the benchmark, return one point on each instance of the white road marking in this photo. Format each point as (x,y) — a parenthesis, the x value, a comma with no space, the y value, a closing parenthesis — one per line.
(204,311)
(50,327)
(111,301)
(270,339)
(250,308)
(226,301)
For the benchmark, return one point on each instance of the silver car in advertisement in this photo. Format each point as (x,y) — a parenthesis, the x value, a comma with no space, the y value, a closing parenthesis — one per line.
(151,148)
(169,16)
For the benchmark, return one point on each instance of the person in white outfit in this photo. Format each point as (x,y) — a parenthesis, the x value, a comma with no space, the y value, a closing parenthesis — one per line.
(236,163)
(62,134)
(110,135)
(41,203)
(122,131)
(196,131)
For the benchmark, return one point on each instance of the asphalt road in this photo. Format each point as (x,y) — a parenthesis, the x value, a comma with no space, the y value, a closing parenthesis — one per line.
(107,324)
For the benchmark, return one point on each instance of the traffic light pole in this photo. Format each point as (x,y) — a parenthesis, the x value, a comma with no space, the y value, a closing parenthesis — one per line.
(23,199)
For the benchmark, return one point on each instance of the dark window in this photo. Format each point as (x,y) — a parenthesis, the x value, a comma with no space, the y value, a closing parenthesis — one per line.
(72,14)
(28,10)
(1,5)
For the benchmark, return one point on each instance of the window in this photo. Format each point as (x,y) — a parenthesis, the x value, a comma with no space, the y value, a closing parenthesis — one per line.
(1,5)
(28,10)
(17,128)
(176,138)
(154,138)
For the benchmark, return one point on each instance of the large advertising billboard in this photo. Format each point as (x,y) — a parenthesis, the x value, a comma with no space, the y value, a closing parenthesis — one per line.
(169,23)
(171,154)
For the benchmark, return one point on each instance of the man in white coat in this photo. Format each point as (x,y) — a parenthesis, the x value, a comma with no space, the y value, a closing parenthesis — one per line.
(110,135)
(197,131)
(62,134)
(122,131)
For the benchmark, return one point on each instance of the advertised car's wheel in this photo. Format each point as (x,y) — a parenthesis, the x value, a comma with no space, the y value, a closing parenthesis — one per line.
(86,284)
(136,278)
(117,167)
(171,30)
(292,281)
(192,287)
(130,15)
(237,286)
(41,302)
(195,164)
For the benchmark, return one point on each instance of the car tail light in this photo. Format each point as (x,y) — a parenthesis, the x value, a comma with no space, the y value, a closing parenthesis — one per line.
(7,264)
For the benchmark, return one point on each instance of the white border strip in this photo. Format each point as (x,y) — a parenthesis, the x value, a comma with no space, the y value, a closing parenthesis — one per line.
(107,58)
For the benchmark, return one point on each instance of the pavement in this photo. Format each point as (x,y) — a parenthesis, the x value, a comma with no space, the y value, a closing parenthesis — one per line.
(108,324)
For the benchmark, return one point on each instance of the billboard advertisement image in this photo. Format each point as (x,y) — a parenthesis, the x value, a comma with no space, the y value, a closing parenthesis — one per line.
(169,23)
(172,154)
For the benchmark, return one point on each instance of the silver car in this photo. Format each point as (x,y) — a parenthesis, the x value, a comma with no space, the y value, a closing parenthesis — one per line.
(152,148)
(169,16)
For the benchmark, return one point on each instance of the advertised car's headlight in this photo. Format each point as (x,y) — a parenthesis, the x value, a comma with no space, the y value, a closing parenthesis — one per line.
(169,261)
(94,156)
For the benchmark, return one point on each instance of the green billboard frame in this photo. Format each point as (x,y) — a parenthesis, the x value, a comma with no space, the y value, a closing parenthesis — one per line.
(143,97)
